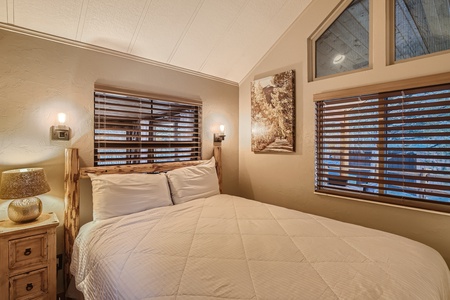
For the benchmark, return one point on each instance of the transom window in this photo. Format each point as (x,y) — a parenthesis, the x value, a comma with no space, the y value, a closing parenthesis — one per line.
(136,129)
(421,27)
(391,147)
(344,45)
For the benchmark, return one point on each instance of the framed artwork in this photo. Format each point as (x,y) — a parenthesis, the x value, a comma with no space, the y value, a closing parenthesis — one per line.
(273,113)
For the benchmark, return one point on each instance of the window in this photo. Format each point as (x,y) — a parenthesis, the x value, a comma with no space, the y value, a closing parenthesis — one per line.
(391,146)
(135,129)
(421,27)
(344,45)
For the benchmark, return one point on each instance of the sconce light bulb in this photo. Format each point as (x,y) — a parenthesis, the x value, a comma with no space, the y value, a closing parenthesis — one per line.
(60,132)
(222,128)
(62,118)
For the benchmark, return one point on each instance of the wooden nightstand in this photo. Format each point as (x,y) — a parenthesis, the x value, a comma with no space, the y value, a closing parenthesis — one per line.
(28,259)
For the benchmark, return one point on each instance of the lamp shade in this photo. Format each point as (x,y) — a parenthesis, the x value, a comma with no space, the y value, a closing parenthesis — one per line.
(23,183)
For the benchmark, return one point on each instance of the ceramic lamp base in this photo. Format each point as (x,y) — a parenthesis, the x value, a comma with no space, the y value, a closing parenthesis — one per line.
(24,210)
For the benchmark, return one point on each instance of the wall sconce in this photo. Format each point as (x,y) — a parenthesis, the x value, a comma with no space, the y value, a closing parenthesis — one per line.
(219,137)
(61,132)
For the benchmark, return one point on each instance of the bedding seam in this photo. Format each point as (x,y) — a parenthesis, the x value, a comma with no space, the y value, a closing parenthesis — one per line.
(190,249)
(137,244)
(391,277)
(245,252)
(268,208)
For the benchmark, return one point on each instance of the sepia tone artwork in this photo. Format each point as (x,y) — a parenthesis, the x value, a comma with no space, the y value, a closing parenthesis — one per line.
(273,113)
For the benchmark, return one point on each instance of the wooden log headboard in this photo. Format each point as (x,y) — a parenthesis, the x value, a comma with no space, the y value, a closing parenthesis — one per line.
(73,173)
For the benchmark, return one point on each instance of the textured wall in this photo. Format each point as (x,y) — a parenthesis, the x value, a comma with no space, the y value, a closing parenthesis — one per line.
(39,78)
(288,180)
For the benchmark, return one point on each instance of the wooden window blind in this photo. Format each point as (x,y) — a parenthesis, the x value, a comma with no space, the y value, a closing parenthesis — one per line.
(134,130)
(391,147)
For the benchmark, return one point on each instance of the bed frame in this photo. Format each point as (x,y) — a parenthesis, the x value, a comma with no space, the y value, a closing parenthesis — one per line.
(73,173)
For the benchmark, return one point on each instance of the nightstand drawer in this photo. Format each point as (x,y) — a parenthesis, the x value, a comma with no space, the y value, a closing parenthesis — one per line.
(28,259)
(27,251)
(30,285)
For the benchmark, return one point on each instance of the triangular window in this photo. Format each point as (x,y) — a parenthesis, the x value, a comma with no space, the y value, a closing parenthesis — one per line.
(344,45)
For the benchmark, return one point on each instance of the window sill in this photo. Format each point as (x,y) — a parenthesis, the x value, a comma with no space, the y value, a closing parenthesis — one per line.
(383,204)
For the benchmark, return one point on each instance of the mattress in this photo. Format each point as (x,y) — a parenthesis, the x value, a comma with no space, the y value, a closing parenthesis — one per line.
(226,247)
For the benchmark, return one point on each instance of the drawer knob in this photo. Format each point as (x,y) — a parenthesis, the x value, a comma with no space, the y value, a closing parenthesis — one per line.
(27,252)
(29,287)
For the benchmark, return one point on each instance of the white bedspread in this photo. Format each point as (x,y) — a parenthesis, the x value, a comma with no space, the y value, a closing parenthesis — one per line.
(225,247)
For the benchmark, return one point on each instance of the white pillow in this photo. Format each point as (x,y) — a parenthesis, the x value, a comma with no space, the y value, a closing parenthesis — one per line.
(194,182)
(122,194)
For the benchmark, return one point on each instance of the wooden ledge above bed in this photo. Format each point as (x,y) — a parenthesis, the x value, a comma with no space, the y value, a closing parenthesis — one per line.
(73,173)
(141,168)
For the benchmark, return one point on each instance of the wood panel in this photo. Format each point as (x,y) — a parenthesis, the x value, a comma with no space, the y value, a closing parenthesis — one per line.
(218,157)
(71,207)
(137,168)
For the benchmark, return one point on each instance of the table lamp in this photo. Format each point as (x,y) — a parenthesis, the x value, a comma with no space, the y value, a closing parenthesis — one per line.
(23,185)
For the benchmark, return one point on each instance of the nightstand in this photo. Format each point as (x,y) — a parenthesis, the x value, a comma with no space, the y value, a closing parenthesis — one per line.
(28,259)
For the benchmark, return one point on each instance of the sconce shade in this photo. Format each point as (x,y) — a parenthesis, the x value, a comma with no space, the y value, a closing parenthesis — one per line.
(219,137)
(23,183)
(62,118)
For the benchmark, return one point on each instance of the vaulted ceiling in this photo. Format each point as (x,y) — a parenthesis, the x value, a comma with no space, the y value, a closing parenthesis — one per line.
(219,38)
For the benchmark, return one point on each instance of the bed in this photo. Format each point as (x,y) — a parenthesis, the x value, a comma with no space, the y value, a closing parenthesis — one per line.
(218,246)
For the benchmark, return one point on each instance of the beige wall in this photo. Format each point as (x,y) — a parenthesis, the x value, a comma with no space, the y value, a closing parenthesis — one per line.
(39,78)
(288,180)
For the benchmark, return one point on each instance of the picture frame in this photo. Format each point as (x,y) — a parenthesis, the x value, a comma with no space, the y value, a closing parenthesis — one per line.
(273,113)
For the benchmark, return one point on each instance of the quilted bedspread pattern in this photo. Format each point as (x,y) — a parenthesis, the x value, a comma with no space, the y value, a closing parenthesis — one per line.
(226,247)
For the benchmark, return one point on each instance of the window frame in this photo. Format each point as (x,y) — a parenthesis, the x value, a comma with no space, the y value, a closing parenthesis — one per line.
(328,21)
(421,82)
(143,128)
(391,44)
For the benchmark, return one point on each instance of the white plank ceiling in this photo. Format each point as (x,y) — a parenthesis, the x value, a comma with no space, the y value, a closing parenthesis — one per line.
(219,38)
